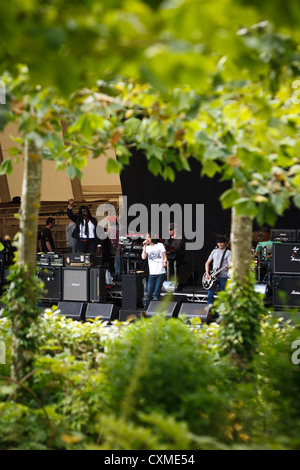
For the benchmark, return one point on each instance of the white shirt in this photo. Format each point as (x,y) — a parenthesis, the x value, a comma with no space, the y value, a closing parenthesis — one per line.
(155,258)
(91,228)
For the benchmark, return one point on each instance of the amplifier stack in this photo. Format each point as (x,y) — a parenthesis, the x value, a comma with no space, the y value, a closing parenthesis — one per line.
(72,277)
(286,268)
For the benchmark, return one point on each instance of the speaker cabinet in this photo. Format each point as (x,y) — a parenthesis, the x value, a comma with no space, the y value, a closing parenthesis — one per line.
(52,279)
(286,291)
(191,310)
(283,235)
(104,312)
(169,309)
(132,291)
(130,315)
(76,284)
(97,285)
(74,310)
(286,258)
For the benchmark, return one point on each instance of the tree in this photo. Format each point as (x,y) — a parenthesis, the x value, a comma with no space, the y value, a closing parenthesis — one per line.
(225,99)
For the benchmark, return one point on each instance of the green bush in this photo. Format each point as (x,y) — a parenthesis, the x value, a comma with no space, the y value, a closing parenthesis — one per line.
(152,384)
(160,365)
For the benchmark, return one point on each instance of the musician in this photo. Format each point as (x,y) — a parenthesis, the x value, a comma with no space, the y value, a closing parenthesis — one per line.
(47,242)
(263,252)
(85,228)
(264,246)
(174,249)
(220,256)
(155,251)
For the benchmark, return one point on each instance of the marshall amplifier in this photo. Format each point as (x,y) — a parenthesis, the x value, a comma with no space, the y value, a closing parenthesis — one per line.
(56,260)
(76,286)
(52,279)
(42,260)
(286,291)
(97,285)
(286,258)
(283,235)
(81,260)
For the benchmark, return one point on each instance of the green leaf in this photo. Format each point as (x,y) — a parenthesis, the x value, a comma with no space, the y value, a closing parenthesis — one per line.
(228,198)
(169,174)
(113,166)
(245,206)
(72,172)
(6,167)
(154,166)
(210,168)
(13,151)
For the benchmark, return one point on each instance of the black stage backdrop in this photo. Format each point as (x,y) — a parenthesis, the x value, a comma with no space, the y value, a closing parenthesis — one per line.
(189,187)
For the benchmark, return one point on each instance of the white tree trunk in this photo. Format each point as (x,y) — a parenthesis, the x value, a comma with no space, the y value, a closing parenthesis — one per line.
(30,206)
(241,244)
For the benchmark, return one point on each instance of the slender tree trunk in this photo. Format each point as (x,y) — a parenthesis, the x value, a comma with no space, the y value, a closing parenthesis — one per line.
(241,244)
(23,291)
(30,206)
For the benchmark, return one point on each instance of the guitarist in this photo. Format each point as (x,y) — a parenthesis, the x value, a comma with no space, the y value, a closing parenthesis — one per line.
(220,256)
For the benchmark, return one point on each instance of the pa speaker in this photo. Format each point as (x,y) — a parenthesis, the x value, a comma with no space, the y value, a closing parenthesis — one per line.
(286,258)
(108,312)
(130,315)
(191,310)
(76,284)
(286,291)
(169,309)
(97,285)
(52,280)
(132,291)
(74,310)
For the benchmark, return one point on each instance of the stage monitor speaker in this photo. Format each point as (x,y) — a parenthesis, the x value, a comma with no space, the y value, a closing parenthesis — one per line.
(132,291)
(169,309)
(74,310)
(286,258)
(52,279)
(130,315)
(191,310)
(76,284)
(286,291)
(97,285)
(104,312)
(283,235)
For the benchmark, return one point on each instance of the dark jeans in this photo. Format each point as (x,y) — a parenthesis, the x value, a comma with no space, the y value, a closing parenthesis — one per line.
(155,283)
(221,283)
(88,245)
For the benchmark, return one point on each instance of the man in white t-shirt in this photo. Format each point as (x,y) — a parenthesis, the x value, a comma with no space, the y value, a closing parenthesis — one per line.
(155,251)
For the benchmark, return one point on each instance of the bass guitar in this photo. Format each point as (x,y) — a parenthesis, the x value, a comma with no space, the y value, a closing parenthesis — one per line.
(207,283)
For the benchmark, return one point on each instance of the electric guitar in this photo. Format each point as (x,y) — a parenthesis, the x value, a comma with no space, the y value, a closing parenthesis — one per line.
(207,283)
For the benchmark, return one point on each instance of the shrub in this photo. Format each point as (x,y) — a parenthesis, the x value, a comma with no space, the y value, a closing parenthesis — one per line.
(159,365)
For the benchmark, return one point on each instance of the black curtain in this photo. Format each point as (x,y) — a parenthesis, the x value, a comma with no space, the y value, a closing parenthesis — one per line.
(140,186)
(189,187)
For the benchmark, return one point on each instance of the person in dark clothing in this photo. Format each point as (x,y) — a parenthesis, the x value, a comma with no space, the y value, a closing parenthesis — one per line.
(47,243)
(85,228)
(175,248)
